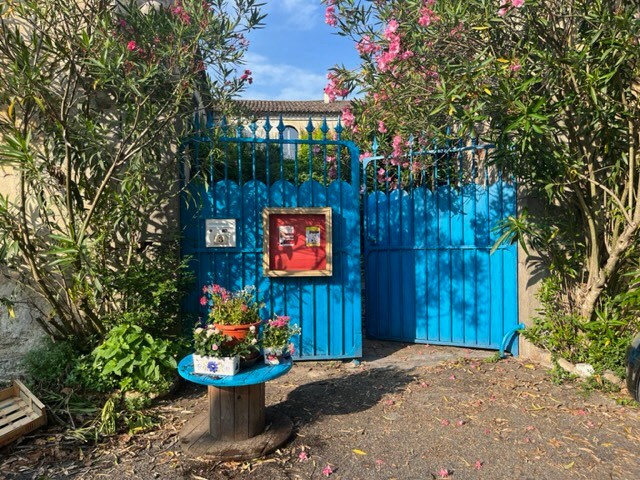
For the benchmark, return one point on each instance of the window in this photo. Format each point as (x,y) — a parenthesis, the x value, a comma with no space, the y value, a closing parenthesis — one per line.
(289,150)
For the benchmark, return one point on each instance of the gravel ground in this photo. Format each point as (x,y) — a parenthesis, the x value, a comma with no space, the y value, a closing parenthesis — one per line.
(404,412)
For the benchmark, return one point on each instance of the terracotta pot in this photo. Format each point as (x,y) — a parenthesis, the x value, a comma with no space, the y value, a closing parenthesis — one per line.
(239,332)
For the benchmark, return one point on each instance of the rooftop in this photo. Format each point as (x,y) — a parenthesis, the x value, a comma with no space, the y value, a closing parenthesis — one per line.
(297,107)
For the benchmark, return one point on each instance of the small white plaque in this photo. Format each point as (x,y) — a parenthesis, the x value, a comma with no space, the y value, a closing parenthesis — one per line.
(220,232)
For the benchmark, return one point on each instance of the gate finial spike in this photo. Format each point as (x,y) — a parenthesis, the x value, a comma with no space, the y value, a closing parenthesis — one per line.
(253,127)
(374,146)
(310,128)
(324,128)
(267,127)
(339,128)
(239,131)
(281,127)
(224,126)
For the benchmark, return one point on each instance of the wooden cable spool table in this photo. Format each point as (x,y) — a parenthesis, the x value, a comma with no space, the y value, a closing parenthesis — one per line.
(236,425)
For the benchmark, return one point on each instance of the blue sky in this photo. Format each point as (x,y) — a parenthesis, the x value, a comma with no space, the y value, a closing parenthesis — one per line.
(291,55)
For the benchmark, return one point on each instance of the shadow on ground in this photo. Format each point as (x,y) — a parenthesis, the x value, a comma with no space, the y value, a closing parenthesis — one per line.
(343,395)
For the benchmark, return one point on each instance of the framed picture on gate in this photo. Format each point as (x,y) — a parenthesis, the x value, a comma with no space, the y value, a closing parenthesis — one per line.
(296,242)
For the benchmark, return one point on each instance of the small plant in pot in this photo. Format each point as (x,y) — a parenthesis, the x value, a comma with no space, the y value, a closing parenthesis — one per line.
(217,353)
(276,339)
(233,313)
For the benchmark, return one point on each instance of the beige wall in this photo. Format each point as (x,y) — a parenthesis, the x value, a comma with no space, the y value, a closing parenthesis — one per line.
(530,274)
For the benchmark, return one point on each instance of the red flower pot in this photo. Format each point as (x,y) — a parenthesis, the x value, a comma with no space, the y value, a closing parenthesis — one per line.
(239,332)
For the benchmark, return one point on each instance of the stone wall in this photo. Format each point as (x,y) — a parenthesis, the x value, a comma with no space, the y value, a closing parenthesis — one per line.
(17,335)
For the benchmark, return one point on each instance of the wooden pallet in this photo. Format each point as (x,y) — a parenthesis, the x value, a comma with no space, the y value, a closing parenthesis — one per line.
(20,412)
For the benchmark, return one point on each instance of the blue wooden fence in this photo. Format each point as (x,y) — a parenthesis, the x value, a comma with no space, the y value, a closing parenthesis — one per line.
(240,173)
(429,223)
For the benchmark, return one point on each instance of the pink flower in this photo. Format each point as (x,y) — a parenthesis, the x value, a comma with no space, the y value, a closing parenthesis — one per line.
(397,146)
(443,473)
(478,465)
(203,301)
(131,46)
(427,16)
(334,87)
(122,22)
(392,27)
(517,3)
(382,127)
(330,16)
(180,12)
(444,422)
(348,119)
(303,457)
(214,347)
(515,66)
(246,76)
(326,471)
(502,12)
(366,46)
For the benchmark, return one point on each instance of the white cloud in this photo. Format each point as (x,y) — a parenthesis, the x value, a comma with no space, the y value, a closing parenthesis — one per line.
(301,14)
(277,81)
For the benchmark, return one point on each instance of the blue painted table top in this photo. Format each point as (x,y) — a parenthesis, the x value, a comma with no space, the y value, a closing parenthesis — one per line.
(258,373)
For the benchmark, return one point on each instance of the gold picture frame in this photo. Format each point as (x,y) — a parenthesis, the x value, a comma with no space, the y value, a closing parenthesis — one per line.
(287,251)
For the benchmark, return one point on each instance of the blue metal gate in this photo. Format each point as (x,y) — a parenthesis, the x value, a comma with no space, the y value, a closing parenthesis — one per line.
(234,173)
(430,275)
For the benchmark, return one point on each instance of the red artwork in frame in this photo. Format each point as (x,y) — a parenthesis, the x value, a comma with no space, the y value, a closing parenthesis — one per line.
(297,242)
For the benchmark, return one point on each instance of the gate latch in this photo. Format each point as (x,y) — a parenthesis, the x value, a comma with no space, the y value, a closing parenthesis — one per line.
(220,232)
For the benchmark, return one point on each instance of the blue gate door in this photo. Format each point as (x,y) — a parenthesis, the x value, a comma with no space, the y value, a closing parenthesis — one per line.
(430,275)
(236,177)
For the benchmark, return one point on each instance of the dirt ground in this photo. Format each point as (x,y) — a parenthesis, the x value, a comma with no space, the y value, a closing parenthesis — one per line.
(403,412)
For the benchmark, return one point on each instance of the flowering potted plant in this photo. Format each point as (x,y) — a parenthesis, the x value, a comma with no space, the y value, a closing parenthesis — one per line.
(234,313)
(219,354)
(276,334)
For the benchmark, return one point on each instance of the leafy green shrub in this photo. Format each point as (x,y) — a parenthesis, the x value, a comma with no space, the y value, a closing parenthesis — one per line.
(132,360)
(601,342)
(49,365)
(556,331)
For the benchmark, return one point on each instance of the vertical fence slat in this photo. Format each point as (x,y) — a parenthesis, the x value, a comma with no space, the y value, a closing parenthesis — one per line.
(420,278)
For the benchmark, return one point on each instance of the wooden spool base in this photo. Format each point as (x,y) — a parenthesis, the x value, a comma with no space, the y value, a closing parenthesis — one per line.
(196,440)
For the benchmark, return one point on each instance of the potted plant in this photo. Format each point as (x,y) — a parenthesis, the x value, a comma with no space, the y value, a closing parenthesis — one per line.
(219,354)
(276,335)
(233,313)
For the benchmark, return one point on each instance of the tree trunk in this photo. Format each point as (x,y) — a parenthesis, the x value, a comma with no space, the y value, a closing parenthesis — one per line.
(596,286)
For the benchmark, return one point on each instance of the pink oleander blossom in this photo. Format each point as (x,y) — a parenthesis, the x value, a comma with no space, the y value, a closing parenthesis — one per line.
(382,128)
(392,28)
(502,12)
(427,15)
(334,88)
(366,46)
(330,16)
(397,146)
(132,46)
(348,120)
(179,11)
(517,3)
